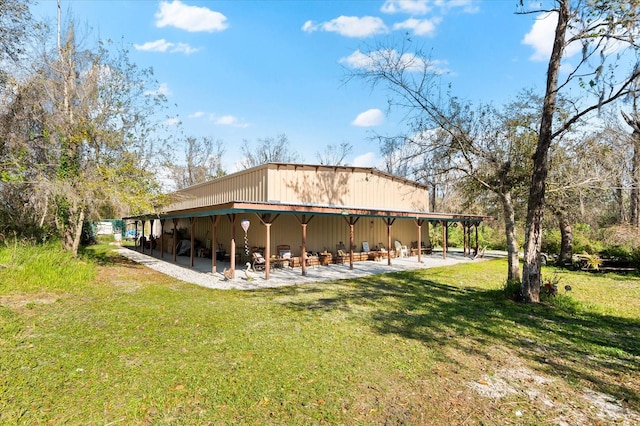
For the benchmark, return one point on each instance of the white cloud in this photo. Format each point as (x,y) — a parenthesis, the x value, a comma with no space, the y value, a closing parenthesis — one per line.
(541,35)
(369,118)
(197,114)
(228,120)
(368,159)
(468,6)
(422,7)
(190,18)
(154,46)
(163,90)
(413,7)
(419,26)
(381,58)
(172,121)
(164,46)
(349,26)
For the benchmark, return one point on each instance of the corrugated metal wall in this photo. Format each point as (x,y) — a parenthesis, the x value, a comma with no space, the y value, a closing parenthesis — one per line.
(343,187)
(248,186)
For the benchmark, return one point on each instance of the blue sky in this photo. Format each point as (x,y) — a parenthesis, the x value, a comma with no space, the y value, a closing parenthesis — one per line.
(241,70)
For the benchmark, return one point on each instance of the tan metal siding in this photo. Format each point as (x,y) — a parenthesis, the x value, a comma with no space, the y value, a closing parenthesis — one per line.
(344,187)
(249,186)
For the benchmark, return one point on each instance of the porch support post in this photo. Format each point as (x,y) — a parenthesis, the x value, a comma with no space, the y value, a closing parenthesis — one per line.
(304,249)
(464,238)
(142,239)
(192,225)
(135,240)
(445,238)
(232,257)
(151,221)
(304,221)
(428,234)
(389,221)
(174,238)
(267,220)
(214,244)
(162,221)
(419,223)
(267,251)
(351,221)
(476,226)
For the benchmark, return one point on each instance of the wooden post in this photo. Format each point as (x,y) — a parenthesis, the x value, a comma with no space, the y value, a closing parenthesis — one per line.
(445,238)
(476,225)
(151,238)
(267,251)
(389,223)
(175,234)
(142,239)
(351,221)
(419,225)
(192,225)
(232,257)
(464,238)
(135,237)
(162,221)
(304,248)
(428,234)
(214,244)
(304,221)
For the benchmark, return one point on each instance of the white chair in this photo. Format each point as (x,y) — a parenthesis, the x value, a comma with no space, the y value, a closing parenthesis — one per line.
(401,251)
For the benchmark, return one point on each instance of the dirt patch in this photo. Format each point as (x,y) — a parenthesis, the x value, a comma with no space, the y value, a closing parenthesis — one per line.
(521,380)
(21,302)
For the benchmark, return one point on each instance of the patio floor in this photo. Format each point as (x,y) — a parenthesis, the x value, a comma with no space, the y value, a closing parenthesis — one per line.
(201,273)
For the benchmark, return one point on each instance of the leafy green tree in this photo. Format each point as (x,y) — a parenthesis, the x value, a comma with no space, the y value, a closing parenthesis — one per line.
(606,32)
(78,137)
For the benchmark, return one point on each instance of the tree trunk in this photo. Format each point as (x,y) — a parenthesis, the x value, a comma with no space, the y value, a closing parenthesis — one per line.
(513,273)
(566,241)
(634,199)
(78,233)
(531,270)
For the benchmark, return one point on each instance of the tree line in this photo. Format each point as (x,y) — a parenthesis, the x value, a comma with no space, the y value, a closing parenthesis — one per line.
(79,134)
(564,150)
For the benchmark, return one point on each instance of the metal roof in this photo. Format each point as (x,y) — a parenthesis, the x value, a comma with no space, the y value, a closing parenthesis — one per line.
(310,209)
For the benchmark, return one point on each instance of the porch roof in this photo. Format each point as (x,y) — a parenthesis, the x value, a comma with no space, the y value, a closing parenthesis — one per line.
(280,208)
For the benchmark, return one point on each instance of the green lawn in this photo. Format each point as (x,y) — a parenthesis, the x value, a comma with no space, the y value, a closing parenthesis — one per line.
(111,342)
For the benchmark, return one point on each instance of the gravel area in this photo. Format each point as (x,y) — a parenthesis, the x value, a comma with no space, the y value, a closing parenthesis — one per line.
(201,273)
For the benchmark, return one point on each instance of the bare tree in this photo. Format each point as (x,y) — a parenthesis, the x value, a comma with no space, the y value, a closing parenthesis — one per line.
(450,139)
(268,150)
(202,162)
(334,155)
(600,28)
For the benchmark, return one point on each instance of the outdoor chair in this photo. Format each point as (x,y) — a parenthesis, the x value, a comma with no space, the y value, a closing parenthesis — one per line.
(401,251)
(284,255)
(341,256)
(259,262)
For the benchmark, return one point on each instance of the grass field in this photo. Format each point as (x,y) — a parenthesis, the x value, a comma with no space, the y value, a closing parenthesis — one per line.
(103,341)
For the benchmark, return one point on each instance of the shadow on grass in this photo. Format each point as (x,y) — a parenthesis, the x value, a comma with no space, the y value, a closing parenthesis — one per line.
(566,341)
(103,255)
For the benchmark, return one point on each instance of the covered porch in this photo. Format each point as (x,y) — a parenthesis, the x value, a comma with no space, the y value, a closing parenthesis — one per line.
(314,232)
